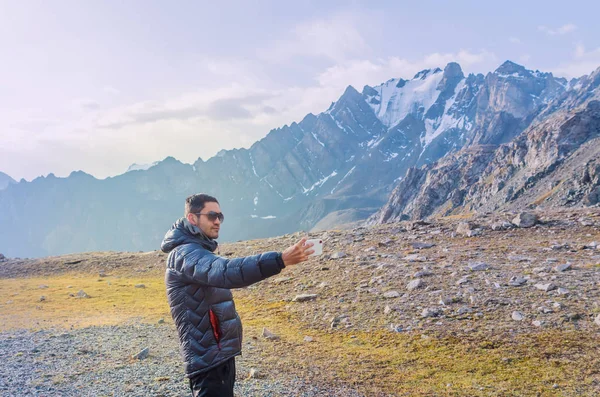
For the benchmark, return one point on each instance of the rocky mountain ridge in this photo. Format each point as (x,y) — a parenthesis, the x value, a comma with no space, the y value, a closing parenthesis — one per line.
(553,163)
(348,158)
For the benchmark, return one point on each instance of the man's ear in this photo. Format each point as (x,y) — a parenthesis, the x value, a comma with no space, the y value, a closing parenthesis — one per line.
(190,218)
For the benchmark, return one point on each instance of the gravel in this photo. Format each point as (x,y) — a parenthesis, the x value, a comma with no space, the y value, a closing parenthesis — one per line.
(97,361)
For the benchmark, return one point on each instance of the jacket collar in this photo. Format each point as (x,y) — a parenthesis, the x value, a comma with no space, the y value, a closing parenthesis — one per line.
(183,232)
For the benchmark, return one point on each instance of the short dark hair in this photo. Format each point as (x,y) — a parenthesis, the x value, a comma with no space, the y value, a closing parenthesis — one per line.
(196,202)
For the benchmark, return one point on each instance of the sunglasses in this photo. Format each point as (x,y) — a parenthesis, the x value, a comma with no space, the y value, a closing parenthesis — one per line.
(212,215)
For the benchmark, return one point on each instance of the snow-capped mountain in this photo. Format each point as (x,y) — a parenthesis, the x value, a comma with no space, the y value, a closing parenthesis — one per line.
(350,156)
(555,162)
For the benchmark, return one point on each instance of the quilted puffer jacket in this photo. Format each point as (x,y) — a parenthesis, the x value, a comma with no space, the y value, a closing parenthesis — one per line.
(198,286)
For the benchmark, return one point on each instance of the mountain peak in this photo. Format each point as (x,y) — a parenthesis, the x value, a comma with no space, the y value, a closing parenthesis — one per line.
(510,67)
(350,94)
(423,74)
(351,91)
(80,174)
(453,69)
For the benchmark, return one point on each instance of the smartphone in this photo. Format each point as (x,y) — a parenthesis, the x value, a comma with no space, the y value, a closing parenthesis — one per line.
(317,246)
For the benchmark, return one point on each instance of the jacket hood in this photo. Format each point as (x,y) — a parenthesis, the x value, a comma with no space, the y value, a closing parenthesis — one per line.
(183,232)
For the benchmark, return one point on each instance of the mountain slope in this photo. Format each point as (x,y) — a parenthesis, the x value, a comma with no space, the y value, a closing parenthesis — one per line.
(555,162)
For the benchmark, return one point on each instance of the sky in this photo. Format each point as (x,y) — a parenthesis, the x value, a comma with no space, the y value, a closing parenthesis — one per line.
(99,85)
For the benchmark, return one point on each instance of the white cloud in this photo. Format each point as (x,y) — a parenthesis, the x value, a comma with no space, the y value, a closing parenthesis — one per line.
(335,38)
(515,40)
(583,62)
(559,31)
(524,58)
(372,72)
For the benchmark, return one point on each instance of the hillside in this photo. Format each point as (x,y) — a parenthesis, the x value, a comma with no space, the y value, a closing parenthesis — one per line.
(408,308)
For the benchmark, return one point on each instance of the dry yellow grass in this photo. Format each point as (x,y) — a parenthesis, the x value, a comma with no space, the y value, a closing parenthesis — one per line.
(112,301)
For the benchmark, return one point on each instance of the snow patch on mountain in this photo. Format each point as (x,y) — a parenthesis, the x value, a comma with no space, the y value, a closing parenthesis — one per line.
(396,98)
(141,167)
(435,127)
(320,182)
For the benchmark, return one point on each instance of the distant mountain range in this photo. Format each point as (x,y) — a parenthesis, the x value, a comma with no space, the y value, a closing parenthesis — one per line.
(439,143)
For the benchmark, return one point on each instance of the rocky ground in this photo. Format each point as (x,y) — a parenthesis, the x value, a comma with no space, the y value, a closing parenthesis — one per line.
(95,362)
(396,309)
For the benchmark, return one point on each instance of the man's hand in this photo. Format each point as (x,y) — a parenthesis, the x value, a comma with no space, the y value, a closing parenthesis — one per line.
(297,253)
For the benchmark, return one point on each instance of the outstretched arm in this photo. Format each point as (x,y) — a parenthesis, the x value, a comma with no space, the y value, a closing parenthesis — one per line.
(217,271)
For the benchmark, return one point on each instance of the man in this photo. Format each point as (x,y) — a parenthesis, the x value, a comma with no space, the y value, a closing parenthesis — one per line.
(198,286)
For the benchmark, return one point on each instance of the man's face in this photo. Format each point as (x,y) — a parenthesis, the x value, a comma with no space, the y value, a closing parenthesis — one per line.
(210,228)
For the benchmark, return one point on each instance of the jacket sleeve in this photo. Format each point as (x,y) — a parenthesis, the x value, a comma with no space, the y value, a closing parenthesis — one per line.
(216,271)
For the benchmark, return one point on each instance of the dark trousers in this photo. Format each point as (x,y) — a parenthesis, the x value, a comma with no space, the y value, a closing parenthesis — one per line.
(218,382)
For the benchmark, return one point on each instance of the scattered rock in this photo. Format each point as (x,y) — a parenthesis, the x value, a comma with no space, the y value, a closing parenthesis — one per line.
(385,242)
(43,286)
(305,297)
(415,224)
(467,229)
(415,284)
(448,300)
(517,281)
(525,220)
(563,291)
(464,310)
(597,320)
(254,374)
(161,320)
(423,273)
(536,323)
(391,294)
(140,286)
(431,312)
(504,225)
(308,339)
(478,266)
(338,255)
(142,354)
(573,316)
(269,335)
(517,316)
(42,298)
(82,295)
(415,258)
(545,287)
(281,280)
(563,267)
(421,246)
